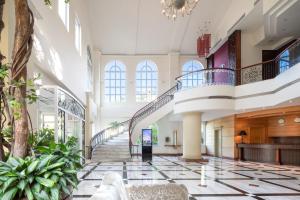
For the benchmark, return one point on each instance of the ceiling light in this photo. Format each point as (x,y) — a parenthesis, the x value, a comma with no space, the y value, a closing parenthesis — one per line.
(171,8)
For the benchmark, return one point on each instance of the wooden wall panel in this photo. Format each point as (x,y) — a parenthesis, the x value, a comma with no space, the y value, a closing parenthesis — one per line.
(289,128)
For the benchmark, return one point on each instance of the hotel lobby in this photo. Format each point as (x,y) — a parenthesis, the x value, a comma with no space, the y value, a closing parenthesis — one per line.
(150,99)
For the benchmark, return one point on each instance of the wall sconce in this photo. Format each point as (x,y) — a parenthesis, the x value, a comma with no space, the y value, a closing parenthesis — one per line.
(297,120)
(242,134)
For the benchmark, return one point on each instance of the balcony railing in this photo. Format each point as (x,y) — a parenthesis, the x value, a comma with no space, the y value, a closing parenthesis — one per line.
(212,76)
(248,74)
(270,69)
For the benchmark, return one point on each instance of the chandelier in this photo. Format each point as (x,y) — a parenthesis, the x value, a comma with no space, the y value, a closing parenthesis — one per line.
(172,8)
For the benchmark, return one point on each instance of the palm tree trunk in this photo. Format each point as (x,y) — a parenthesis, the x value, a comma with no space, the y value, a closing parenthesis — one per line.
(2,2)
(21,53)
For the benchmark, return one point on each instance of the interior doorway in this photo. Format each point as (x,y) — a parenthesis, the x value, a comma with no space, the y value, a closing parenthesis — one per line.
(218,142)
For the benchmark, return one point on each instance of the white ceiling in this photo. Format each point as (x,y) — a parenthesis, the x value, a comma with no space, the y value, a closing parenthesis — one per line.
(138,27)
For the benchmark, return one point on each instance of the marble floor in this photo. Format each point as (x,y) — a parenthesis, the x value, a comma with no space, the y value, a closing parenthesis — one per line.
(218,179)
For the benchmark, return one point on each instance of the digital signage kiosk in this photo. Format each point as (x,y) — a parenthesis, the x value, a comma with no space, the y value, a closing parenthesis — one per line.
(147,144)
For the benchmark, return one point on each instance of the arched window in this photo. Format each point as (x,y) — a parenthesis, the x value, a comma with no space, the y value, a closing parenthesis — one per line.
(193,79)
(115,82)
(146,81)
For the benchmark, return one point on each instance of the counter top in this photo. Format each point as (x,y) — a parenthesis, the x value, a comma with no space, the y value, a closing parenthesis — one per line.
(270,146)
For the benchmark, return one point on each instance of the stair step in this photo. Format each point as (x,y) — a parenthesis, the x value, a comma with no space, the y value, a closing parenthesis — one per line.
(114,149)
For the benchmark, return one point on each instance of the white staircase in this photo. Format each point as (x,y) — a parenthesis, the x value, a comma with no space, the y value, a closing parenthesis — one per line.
(115,149)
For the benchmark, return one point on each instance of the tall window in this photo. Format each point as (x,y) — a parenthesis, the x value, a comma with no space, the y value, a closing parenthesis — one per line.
(146,81)
(90,79)
(115,82)
(284,62)
(193,79)
(78,35)
(63,12)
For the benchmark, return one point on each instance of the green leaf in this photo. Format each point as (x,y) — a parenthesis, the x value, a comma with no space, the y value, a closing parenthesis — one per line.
(69,171)
(66,190)
(42,195)
(3,178)
(54,178)
(9,195)
(44,161)
(23,173)
(32,166)
(30,179)
(71,182)
(54,193)
(9,183)
(36,188)
(13,161)
(45,182)
(22,184)
(56,165)
(59,173)
(28,193)
(47,174)
(63,181)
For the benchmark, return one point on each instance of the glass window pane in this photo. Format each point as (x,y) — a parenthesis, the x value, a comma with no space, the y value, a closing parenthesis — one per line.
(115,82)
(146,80)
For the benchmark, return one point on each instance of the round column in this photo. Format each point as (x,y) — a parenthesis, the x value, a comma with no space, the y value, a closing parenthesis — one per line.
(191,136)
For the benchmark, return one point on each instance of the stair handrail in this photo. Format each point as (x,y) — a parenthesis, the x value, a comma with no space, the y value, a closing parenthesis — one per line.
(99,137)
(150,108)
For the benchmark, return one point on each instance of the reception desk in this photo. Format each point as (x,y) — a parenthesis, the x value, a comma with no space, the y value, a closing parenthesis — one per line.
(282,154)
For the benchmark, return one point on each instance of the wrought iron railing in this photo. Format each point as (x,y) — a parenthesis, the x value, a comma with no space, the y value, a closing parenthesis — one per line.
(108,133)
(248,74)
(211,76)
(151,108)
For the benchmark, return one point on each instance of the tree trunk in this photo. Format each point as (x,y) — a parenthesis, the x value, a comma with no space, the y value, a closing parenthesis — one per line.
(2,2)
(21,53)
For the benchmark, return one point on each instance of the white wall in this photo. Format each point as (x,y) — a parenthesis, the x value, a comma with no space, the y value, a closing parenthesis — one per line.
(54,53)
(226,125)
(166,128)
(231,16)
(250,54)
(169,67)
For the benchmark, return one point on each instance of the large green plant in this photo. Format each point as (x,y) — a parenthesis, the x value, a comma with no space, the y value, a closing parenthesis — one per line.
(68,151)
(42,137)
(114,125)
(43,178)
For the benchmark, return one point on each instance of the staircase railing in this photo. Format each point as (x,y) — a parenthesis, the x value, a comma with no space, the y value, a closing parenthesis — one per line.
(151,108)
(211,76)
(108,133)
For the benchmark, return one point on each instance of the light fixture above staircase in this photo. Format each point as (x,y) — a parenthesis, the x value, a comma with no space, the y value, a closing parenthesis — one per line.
(171,8)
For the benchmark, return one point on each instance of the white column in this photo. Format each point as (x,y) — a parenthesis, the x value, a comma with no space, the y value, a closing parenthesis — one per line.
(192,136)
(97,86)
